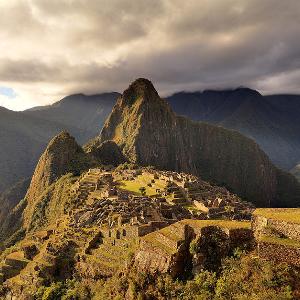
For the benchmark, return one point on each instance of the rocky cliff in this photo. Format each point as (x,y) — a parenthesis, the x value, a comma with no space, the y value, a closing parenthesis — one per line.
(150,133)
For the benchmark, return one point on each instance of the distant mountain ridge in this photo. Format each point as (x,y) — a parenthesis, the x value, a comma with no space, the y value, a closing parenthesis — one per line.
(85,113)
(272,121)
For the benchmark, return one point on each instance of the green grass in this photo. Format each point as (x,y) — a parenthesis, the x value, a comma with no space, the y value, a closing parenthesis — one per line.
(142,181)
(281,214)
(221,223)
(280,241)
(113,256)
(171,234)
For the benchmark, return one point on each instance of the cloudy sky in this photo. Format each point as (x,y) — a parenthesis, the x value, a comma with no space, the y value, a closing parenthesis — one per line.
(49,49)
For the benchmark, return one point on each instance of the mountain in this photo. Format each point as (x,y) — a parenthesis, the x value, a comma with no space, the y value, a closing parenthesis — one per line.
(49,191)
(62,155)
(83,229)
(82,115)
(150,133)
(24,135)
(272,121)
(22,139)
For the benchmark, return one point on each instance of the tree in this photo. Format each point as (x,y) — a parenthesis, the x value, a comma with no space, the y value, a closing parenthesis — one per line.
(142,189)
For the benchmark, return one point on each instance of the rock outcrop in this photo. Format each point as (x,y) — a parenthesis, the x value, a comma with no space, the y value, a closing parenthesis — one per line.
(150,133)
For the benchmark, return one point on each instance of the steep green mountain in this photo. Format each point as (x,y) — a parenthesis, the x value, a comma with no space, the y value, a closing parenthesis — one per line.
(150,133)
(24,135)
(272,121)
(62,155)
(49,194)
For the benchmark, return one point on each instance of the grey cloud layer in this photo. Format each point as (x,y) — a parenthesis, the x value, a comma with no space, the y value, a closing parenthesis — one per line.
(92,46)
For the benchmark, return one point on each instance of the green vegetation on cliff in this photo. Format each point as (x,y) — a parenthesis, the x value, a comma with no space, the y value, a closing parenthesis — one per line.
(53,203)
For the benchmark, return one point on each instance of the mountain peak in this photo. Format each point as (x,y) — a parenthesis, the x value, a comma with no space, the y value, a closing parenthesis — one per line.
(247,91)
(62,137)
(141,88)
(61,153)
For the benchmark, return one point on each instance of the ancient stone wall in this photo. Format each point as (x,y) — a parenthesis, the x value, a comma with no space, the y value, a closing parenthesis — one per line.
(258,225)
(290,230)
(150,227)
(152,259)
(167,250)
(120,232)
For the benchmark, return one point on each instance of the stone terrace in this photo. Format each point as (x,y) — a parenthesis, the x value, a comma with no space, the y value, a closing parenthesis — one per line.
(167,250)
(277,232)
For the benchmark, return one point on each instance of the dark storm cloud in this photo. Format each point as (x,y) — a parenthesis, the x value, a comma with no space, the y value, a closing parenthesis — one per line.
(93,46)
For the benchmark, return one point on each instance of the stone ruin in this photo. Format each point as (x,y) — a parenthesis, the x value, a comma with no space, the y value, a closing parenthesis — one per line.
(104,204)
(169,249)
(121,215)
(109,207)
(212,202)
(277,239)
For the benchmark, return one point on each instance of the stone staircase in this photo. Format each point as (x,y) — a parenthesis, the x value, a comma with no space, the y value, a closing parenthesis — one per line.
(193,191)
(110,254)
(178,194)
(87,184)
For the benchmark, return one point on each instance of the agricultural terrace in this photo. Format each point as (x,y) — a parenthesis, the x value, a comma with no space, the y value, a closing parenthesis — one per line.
(291,215)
